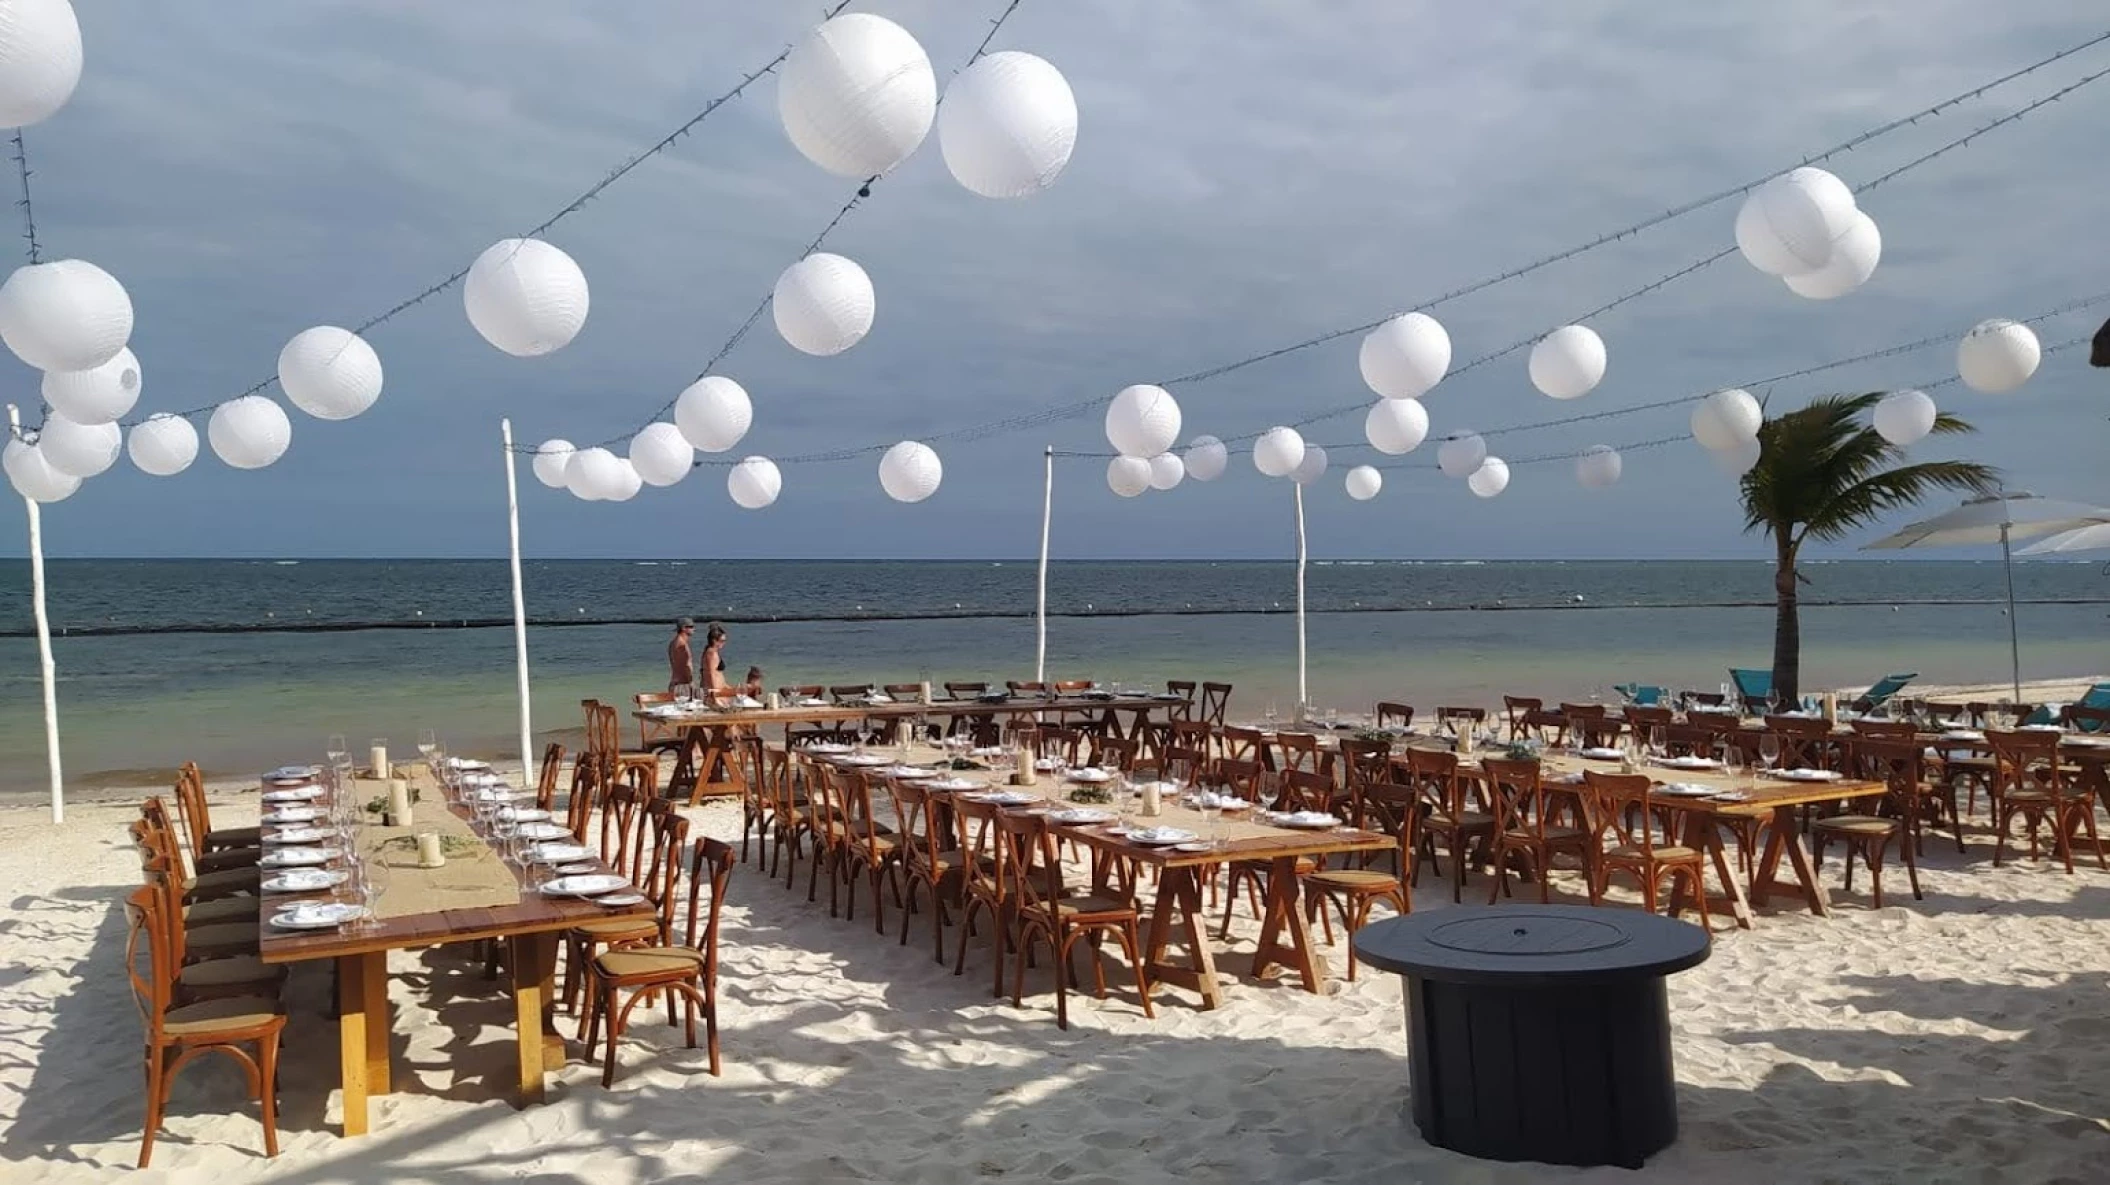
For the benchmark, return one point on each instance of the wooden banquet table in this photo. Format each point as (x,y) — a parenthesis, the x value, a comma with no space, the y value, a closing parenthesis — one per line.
(475,895)
(707,743)
(1177,916)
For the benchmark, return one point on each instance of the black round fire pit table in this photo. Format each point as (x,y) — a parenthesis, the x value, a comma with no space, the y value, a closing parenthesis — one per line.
(1539,1032)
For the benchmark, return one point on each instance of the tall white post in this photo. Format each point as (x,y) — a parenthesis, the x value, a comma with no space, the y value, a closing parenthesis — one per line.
(1047,514)
(1303,693)
(2014,634)
(44,664)
(527,733)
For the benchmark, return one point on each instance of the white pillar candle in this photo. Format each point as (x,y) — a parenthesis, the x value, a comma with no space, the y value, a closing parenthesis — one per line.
(378,759)
(399,801)
(429,850)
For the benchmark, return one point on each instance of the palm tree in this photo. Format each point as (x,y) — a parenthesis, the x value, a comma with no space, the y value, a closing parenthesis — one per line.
(1823,473)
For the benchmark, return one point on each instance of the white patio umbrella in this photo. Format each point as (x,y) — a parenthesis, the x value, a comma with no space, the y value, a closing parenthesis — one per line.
(2000,518)
(2095,538)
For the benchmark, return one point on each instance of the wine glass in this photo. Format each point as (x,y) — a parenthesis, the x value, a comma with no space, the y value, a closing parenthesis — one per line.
(1732,759)
(1769,751)
(335,749)
(428,743)
(505,835)
(1271,715)
(1658,742)
(1211,807)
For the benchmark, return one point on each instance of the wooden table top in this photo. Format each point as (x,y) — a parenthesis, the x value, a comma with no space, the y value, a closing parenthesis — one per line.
(533,913)
(824,713)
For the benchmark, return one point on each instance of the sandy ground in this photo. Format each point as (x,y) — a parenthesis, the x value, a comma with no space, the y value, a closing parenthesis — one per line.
(1965,1037)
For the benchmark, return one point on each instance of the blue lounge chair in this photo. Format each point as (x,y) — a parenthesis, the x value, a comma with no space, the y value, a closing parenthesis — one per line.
(1643,695)
(1889,685)
(1756,687)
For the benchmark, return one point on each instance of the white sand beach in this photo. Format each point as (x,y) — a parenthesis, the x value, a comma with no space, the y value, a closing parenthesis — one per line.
(1959,1038)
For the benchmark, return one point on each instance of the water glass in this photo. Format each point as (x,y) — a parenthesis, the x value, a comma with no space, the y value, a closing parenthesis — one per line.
(1212,817)
(335,749)
(1658,742)
(505,835)
(1769,751)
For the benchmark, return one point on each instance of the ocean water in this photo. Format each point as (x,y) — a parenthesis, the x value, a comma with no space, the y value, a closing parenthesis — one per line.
(155,686)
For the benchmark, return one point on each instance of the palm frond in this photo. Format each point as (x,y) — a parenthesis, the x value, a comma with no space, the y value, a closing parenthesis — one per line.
(1823,471)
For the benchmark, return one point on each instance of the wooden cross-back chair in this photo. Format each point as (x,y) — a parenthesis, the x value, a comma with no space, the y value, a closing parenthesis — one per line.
(1804,743)
(205,839)
(683,965)
(1523,827)
(1394,715)
(1246,744)
(1186,689)
(1046,912)
(1194,735)
(546,781)
(931,868)
(1300,751)
(157,836)
(1216,700)
(1361,764)
(985,884)
(650,854)
(176,1034)
(2029,781)
(655,736)
(869,847)
(1114,753)
(1626,821)
(1451,811)
(1394,810)
(1898,765)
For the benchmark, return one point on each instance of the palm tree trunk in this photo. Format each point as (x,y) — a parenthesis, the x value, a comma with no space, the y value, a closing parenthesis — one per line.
(1787,625)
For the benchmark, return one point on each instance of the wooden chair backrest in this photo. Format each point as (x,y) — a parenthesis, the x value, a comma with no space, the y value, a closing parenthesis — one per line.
(1364,762)
(1519,708)
(656,865)
(710,863)
(1050,741)
(1191,734)
(982,850)
(1901,766)
(619,809)
(1072,686)
(1216,700)
(1111,752)
(1476,715)
(1186,689)
(1184,764)
(1805,743)
(845,692)
(1575,712)
(1642,719)
(1393,809)
(1518,795)
(546,783)
(1603,731)
(1392,715)
(1244,744)
(146,925)
(2026,760)
(1246,779)
(1015,687)
(1433,774)
(1621,798)
(1304,790)
(966,690)
(1034,866)
(914,821)
(1300,751)
(854,799)
(649,730)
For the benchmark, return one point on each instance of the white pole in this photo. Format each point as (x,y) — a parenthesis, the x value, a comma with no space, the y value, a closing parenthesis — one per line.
(1303,693)
(2014,636)
(1047,514)
(527,733)
(44,663)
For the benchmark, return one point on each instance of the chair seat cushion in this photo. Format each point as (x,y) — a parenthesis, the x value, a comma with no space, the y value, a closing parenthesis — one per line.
(1662,852)
(234,837)
(1550,834)
(1353,879)
(225,883)
(616,929)
(221,1016)
(648,960)
(1855,824)
(1089,904)
(240,936)
(1466,819)
(220,911)
(2032,794)
(241,969)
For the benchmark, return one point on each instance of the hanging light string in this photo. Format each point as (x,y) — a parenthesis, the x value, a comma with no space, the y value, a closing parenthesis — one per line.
(576,204)
(754,317)
(29,216)
(1054,415)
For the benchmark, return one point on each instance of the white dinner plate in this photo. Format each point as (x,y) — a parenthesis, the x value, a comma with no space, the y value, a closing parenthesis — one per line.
(1081,816)
(1962,734)
(826,749)
(1192,847)
(583,866)
(557,853)
(861,760)
(1159,837)
(542,831)
(524,814)
(1090,775)
(988,751)
(589,885)
(304,880)
(296,794)
(1304,820)
(951,784)
(295,857)
(298,835)
(1684,790)
(294,773)
(317,915)
(2042,728)
(908,773)
(294,814)
(621,900)
(1690,763)
(1600,753)
(468,763)
(1807,775)
(1005,798)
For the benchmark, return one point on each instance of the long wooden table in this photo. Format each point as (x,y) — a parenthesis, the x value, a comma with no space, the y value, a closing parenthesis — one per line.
(707,743)
(1177,916)
(530,928)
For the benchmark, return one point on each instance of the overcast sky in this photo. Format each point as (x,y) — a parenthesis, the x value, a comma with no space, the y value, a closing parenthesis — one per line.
(1247,173)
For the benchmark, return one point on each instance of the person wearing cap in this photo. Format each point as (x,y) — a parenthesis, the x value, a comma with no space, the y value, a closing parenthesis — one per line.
(681,663)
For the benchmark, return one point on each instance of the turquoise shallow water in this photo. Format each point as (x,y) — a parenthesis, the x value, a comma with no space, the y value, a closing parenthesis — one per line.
(249,700)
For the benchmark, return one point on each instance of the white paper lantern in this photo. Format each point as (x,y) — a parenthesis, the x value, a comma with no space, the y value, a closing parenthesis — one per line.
(1491,478)
(1568,363)
(1166,471)
(1142,421)
(1310,467)
(40,59)
(1788,226)
(65,315)
(661,454)
(1726,419)
(1206,458)
(857,95)
(98,395)
(1737,459)
(1405,356)
(754,483)
(1008,125)
(1854,259)
(714,412)
(1460,454)
(162,445)
(910,471)
(594,475)
(1598,467)
(551,458)
(526,297)
(627,481)
(1396,426)
(1128,476)
(1278,452)
(1905,417)
(249,431)
(33,476)
(823,304)
(1997,356)
(330,373)
(80,450)
(1364,481)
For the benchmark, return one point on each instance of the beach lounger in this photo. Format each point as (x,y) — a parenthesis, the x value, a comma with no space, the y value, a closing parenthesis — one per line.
(1642,694)
(1756,687)
(1878,695)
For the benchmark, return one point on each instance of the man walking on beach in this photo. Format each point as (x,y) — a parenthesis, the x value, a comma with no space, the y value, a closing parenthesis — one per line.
(681,663)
